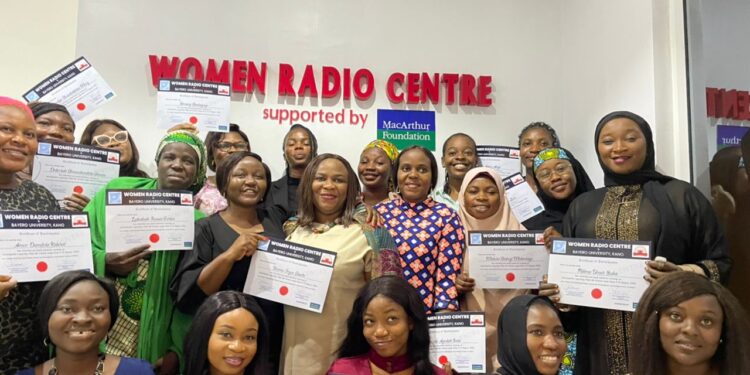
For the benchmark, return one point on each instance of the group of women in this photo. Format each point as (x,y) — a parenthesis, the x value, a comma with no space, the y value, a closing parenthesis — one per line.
(400,241)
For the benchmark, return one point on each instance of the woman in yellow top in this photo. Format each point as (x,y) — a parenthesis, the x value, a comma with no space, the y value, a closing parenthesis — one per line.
(330,218)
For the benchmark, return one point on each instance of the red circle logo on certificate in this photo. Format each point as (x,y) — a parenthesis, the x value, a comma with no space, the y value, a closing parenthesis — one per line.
(193,119)
(81,106)
(41,267)
(283,290)
(596,293)
(510,276)
(78,189)
(443,359)
(154,238)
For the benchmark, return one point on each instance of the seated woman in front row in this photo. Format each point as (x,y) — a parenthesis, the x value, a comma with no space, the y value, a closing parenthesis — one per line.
(76,311)
(387,333)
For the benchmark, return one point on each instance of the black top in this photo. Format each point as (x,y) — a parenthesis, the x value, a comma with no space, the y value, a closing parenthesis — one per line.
(214,236)
(284,194)
(20,332)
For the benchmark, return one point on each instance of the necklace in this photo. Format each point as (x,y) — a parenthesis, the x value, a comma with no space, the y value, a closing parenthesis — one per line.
(99,367)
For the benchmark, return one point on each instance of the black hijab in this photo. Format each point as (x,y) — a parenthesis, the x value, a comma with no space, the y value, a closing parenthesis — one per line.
(555,209)
(652,182)
(512,348)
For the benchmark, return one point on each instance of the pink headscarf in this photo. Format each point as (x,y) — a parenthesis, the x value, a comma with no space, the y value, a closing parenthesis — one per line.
(6,101)
(503,219)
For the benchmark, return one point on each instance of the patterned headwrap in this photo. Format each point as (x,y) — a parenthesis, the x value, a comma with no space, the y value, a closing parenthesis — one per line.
(389,148)
(10,102)
(196,144)
(549,154)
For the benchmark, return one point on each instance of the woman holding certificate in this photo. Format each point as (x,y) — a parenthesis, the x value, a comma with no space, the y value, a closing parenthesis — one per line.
(20,333)
(225,242)
(429,235)
(145,326)
(639,203)
(330,219)
(484,207)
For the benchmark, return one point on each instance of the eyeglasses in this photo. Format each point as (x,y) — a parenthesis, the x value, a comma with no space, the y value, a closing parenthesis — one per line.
(228,146)
(105,140)
(559,169)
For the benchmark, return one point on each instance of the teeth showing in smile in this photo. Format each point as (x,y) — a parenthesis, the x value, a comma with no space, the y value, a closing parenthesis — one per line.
(550,358)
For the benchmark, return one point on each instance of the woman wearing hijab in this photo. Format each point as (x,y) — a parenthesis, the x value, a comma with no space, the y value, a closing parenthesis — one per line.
(639,204)
(145,327)
(374,171)
(530,337)
(483,206)
(561,179)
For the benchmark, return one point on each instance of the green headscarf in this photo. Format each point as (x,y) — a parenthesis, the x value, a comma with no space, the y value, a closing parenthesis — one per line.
(190,139)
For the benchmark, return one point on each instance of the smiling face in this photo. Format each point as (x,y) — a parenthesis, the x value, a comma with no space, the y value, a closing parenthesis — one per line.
(482,197)
(81,318)
(56,125)
(178,164)
(533,141)
(126,151)
(247,183)
(556,178)
(329,187)
(622,146)
(298,148)
(414,175)
(544,339)
(18,141)
(374,168)
(460,155)
(386,327)
(233,342)
(690,332)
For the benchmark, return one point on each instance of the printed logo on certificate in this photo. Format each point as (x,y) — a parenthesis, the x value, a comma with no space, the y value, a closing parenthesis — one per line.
(291,273)
(163,219)
(203,104)
(507,259)
(458,338)
(599,273)
(77,86)
(524,203)
(37,246)
(66,168)
(505,160)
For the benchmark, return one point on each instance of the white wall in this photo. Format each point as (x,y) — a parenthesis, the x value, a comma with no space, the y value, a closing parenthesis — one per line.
(564,62)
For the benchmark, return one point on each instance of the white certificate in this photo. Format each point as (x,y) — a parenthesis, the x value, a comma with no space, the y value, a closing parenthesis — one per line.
(524,203)
(77,86)
(204,104)
(599,273)
(507,259)
(458,338)
(290,273)
(37,246)
(163,219)
(505,160)
(65,168)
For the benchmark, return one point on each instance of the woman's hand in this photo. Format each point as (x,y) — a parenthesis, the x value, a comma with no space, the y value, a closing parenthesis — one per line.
(464,283)
(549,235)
(448,368)
(374,218)
(75,202)
(659,268)
(244,246)
(192,128)
(123,263)
(7,284)
(552,291)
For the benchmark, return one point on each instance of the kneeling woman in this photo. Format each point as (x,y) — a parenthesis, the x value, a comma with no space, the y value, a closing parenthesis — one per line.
(530,337)
(387,332)
(76,311)
(229,335)
(687,324)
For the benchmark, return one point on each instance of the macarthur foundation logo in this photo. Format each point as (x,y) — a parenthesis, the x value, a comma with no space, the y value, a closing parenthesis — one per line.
(407,128)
